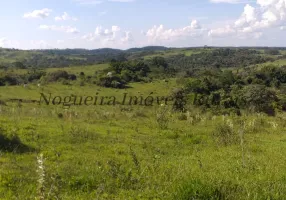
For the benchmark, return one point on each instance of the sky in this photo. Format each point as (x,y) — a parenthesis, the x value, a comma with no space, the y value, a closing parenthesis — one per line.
(123,24)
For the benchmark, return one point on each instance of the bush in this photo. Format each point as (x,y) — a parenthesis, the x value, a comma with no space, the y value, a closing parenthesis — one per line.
(11,143)
(225,135)
(72,77)
(10,80)
(36,75)
(163,118)
(182,117)
(2,103)
(179,96)
(258,98)
(113,82)
(272,51)
(57,75)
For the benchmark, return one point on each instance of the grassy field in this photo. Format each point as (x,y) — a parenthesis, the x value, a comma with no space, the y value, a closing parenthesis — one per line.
(276,63)
(174,52)
(135,152)
(88,70)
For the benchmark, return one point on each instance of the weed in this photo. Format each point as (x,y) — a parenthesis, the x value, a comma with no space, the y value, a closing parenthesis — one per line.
(225,134)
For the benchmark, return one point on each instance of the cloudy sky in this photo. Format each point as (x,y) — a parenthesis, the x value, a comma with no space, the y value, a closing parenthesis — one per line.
(91,24)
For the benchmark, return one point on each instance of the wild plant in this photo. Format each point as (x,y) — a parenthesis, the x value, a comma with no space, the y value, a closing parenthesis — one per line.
(225,134)
(163,117)
(41,177)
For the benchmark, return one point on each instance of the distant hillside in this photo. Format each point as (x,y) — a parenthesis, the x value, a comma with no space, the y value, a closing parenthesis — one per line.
(101,51)
(71,57)
(148,48)
(68,57)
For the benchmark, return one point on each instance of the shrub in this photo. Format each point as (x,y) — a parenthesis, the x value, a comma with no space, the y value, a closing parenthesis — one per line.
(11,143)
(72,77)
(2,103)
(10,80)
(163,118)
(113,82)
(57,75)
(182,117)
(258,98)
(179,96)
(224,134)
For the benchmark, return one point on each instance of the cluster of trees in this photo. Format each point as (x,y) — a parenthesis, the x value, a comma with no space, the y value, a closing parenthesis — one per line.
(224,91)
(122,72)
(271,51)
(219,58)
(69,57)
(35,75)
(118,75)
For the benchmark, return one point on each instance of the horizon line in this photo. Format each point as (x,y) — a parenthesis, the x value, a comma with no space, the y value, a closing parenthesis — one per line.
(218,46)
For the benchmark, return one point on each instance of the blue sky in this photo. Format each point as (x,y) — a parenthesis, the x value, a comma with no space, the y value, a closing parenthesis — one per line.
(33,24)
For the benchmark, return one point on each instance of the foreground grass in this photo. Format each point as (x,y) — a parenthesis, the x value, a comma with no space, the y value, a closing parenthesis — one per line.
(135,152)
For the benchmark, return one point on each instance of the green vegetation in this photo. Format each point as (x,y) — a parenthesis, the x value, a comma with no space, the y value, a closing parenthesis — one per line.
(222,138)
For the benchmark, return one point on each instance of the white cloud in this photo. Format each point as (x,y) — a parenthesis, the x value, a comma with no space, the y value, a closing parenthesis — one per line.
(40,44)
(7,43)
(249,15)
(2,42)
(103,34)
(44,13)
(159,33)
(266,15)
(113,37)
(222,32)
(65,17)
(128,37)
(195,24)
(66,29)
(60,41)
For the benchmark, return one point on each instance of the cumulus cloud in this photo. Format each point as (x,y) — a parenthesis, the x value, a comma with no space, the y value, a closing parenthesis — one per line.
(127,38)
(44,13)
(65,17)
(105,34)
(66,29)
(60,41)
(267,14)
(195,24)
(7,43)
(222,32)
(2,42)
(159,33)
(40,44)
(113,37)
